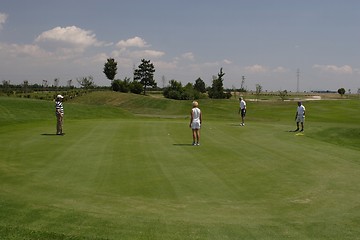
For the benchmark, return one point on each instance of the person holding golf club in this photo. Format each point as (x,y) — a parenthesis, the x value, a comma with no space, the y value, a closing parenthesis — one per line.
(59,112)
(300,116)
(242,110)
(195,123)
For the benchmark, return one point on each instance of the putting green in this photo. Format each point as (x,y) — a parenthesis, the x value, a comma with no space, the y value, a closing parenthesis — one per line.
(140,178)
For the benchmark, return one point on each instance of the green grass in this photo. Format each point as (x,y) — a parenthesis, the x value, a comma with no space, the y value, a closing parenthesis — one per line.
(125,170)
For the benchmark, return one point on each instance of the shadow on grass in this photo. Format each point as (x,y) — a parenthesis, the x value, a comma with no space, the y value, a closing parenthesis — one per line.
(183,144)
(52,134)
(235,124)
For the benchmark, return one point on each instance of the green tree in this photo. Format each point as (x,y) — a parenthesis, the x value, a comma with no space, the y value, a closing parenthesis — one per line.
(121,85)
(25,86)
(217,88)
(86,82)
(200,85)
(6,87)
(136,87)
(283,94)
(145,74)
(258,90)
(341,91)
(174,90)
(189,93)
(110,69)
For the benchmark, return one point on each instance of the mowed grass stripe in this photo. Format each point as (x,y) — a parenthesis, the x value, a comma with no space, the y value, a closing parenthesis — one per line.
(139,178)
(114,156)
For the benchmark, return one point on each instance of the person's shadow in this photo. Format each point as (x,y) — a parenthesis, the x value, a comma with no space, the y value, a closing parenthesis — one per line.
(52,134)
(182,144)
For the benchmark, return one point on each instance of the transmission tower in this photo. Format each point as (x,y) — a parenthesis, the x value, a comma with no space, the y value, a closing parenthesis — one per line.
(297,80)
(242,82)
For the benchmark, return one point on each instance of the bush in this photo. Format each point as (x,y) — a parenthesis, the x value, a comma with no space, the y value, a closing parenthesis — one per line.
(172,94)
(136,87)
(120,86)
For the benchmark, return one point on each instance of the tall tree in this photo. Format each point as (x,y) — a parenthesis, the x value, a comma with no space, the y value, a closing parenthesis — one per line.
(258,90)
(200,85)
(174,90)
(86,82)
(341,91)
(217,89)
(110,69)
(25,85)
(145,74)
(56,82)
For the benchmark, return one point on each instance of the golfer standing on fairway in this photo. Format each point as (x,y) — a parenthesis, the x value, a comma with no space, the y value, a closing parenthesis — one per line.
(300,116)
(195,123)
(59,112)
(242,110)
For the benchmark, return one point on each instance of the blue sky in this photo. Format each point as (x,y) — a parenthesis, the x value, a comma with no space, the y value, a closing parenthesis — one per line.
(266,41)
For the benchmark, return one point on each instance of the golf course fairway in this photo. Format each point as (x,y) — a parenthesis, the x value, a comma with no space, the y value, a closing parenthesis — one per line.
(125,169)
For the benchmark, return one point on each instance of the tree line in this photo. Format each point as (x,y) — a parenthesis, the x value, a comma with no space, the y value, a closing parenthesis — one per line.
(144,79)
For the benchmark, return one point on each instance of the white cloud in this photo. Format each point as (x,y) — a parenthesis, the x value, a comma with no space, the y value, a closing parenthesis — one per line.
(146,54)
(210,64)
(119,53)
(188,56)
(132,42)
(123,50)
(97,59)
(256,69)
(280,70)
(16,50)
(165,65)
(346,69)
(226,61)
(3,18)
(68,37)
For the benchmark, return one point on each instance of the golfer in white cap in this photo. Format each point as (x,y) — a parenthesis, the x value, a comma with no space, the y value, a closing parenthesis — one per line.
(242,110)
(59,112)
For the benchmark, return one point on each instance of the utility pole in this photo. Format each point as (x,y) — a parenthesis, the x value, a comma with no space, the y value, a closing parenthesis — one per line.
(297,80)
(242,83)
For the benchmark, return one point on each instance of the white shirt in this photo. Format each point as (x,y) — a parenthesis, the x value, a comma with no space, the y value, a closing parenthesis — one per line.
(300,110)
(242,104)
(196,114)
(59,106)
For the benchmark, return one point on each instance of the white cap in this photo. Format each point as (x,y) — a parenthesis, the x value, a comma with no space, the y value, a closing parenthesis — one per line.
(59,96)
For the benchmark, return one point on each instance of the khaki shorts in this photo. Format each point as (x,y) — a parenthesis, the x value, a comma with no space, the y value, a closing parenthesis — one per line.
(300,119)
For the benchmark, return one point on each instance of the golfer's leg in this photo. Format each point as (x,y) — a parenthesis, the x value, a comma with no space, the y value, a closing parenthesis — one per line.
(61,124)
(58,124)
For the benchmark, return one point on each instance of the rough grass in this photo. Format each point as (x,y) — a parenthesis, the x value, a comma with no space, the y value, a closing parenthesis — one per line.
(118,175)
